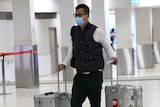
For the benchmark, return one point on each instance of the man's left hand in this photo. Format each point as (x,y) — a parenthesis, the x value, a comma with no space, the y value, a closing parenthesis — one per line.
(114,60)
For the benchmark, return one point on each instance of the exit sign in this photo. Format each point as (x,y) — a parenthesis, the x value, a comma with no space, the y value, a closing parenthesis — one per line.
(134,2)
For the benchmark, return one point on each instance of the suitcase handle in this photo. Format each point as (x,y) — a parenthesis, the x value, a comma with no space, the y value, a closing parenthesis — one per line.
(58,76)
(64,81)
(114,88)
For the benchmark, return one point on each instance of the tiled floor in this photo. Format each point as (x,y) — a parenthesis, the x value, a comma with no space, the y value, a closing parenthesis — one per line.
(149,79)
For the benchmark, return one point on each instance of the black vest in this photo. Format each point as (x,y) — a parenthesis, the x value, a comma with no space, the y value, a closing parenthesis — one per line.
(87,53)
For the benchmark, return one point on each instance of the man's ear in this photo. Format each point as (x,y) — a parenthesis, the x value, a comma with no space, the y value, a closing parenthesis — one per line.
(88,15)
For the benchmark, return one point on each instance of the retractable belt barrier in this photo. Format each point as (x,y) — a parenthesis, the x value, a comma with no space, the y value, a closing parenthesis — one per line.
(3,66)
(15,53)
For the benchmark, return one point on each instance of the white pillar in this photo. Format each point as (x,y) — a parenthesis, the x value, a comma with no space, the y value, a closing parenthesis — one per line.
(123,28)
(100,18)
(67,20)
(156,24)
(24,37)
(144,37)
(143,25)
(24,22)
(87,2)
(124,32)
(156,33)
(67,9)
(100,14)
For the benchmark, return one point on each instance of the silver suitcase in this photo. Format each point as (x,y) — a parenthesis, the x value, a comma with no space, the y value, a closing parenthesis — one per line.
(53,99)
(123,95)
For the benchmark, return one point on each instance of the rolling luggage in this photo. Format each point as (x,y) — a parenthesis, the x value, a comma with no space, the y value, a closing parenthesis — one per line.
(118,95)
(53,99)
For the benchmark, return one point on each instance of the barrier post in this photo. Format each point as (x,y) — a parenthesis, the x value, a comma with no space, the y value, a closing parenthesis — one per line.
(3,77)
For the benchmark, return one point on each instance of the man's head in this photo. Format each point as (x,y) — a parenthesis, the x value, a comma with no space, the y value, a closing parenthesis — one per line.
(84,7)
(82,14)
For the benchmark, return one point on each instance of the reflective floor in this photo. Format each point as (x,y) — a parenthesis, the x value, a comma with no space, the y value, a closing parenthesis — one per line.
(149,79)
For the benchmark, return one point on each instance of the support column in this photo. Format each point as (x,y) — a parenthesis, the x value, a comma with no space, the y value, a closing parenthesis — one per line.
(26,65)
(87,2)
(144,37)
(67,20)
(67,9)
(24,22)
(125,52)
(100,17)
(156,34)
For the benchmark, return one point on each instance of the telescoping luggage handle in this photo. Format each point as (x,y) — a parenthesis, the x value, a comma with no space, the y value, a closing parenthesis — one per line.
(114,88)
(64,81)
(63,95)
(58,75)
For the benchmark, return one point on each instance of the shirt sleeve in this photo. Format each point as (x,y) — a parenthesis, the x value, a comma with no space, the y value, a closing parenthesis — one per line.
(68,57)
(100,37)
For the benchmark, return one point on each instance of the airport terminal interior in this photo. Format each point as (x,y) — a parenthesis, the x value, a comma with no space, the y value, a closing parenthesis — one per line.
(28,64)
(149,79)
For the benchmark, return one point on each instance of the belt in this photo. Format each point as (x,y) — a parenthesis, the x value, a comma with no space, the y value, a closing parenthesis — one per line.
(86,72)
(89,72)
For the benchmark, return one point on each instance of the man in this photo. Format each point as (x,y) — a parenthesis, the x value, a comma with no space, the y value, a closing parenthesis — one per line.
(86,56)
(113,36)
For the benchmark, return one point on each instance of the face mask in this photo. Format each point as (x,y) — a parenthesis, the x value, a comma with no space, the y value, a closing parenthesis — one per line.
(79,21)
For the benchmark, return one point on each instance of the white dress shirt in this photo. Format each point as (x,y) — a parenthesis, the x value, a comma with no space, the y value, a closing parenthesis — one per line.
(100,37)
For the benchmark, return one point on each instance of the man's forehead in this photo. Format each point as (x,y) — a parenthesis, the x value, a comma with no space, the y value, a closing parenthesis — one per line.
(80,10)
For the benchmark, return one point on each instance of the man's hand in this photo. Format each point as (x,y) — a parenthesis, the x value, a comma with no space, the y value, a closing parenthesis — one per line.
(114,60)
(61,67)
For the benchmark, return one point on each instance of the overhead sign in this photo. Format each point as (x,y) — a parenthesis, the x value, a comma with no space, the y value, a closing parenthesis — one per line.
(134,2)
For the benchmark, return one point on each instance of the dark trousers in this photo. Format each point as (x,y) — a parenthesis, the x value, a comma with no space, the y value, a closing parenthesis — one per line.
(87,85)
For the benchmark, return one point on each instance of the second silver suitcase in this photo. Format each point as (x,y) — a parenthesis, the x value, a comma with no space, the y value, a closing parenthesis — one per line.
(123,96)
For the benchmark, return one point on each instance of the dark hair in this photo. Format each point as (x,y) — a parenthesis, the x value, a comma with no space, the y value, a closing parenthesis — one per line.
(85,8)
(112,30)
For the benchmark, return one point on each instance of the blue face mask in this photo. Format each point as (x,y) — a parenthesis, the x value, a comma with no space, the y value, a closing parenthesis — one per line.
(79,21)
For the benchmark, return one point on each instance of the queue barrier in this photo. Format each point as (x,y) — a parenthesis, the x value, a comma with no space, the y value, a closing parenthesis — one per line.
(32,72)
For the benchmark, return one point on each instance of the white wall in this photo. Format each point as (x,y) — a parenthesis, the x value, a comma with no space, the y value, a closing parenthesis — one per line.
(46,5)
(156,23)
(40,5)
(9,71)
(143,25)
(6,35)
(43,36)
(88,2)
(126,3)
(6,45)
(123,28)
(53,5)
(149,3)
(118,3)
(6,5)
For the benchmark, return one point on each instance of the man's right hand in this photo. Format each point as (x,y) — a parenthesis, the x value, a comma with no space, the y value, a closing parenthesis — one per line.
(61,67)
